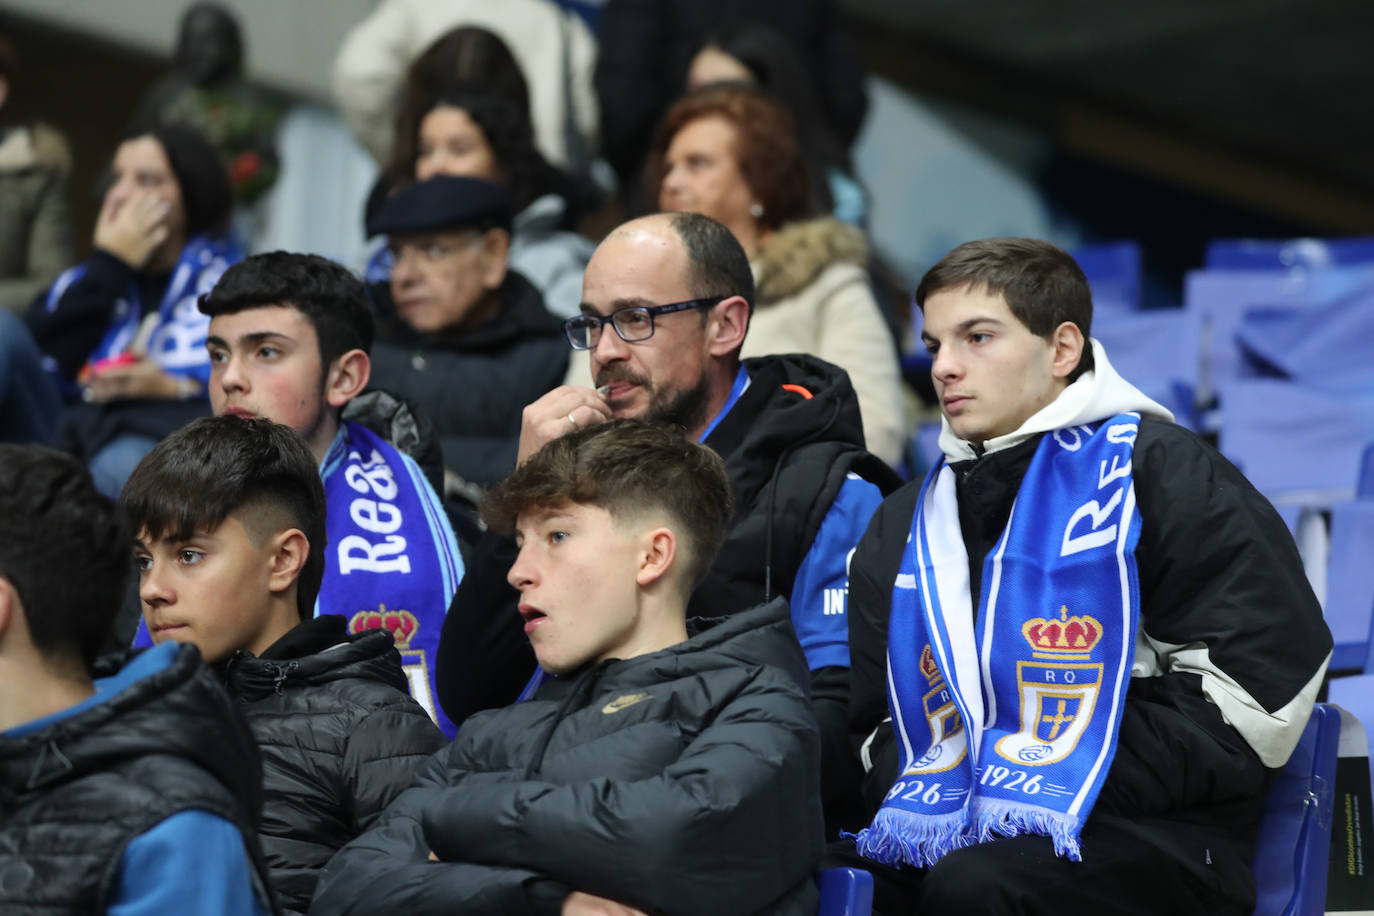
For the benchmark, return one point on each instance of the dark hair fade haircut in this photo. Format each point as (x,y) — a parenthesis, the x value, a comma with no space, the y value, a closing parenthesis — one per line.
(66,550)
(716,261)
(217,466)
(626,467)
(326,293)
(1042,284)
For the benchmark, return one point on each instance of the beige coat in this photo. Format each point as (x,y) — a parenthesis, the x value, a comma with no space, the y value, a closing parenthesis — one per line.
(555,51)
(35,225)
(813,296)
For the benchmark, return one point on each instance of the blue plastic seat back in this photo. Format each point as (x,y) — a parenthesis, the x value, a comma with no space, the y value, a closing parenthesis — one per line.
(846,892)
(1221,298)
(1159,351)
(1285,254)
(1326,346)
(1295,831)
(1350,583)
(1296,444)
(1113,272)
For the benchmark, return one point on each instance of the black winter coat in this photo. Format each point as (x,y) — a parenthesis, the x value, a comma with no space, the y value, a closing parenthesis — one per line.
(1217,568)
(339,738)
(786,454)
(473,384)
(74,794)
(683,781)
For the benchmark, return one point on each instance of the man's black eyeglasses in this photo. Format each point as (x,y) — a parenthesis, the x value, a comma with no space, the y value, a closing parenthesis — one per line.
(633,323)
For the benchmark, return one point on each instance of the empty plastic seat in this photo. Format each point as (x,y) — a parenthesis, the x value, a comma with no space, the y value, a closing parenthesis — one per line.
(846,892)
(1280,254)
(1296,444)
(1350,583)
(1325,346)
(1295,832)
(1113,271)
(1157,351)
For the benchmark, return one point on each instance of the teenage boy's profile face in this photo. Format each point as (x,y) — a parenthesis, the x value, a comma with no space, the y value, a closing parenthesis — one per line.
(265,362)
(990,372)
(576,574)
(212,589)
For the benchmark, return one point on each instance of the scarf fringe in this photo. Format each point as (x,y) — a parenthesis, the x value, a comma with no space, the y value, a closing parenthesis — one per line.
(897,837)
(992,819)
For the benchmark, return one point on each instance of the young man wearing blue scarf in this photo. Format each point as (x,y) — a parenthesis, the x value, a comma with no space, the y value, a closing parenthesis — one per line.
(1082,642)
(289,340)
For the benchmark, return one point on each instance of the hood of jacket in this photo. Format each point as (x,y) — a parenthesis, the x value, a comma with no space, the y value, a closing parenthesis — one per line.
(178,710)
(797,254)
(543,216)
(396,420)
(316,652)
(1093,396)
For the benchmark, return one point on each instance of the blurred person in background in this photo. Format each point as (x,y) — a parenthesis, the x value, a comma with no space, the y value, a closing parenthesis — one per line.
(654,42)
(459,334)
(35,225)
(555,50)
(206,91)
(752,54)
(122,331)
(731,153)
(464,110)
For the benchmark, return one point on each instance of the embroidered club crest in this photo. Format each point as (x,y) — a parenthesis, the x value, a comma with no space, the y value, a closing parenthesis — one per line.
(948,740)
(1058,689)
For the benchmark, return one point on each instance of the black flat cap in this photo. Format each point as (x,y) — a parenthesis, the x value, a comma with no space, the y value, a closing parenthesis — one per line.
(446,202)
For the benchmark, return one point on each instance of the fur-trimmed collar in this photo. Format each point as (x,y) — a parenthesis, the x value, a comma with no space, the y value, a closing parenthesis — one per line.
(798,252)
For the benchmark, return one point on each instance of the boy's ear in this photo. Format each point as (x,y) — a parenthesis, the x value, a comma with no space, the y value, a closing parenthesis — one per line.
(657,557)
(1068,343)
(346,377)
(290,550)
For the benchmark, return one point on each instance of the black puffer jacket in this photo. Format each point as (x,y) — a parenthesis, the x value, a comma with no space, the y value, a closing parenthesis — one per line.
(73,794)
(339,739)
(1217,569)
(683,781)
(473,383)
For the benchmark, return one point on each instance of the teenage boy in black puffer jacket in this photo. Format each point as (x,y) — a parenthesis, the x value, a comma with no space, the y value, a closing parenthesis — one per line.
(668,767)
(229,515)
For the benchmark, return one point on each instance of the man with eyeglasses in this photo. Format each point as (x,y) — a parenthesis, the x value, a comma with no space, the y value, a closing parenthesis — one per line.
(666,306)
(459,335)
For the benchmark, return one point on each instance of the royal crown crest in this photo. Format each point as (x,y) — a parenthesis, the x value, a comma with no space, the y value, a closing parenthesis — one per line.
(928,666)
(402,624)
(1063,638)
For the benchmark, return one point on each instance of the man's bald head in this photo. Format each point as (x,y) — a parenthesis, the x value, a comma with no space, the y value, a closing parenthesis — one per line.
(716,263)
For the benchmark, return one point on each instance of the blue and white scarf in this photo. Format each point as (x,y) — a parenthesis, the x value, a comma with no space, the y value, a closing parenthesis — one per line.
(392,559)
(178,341)
(1008,726)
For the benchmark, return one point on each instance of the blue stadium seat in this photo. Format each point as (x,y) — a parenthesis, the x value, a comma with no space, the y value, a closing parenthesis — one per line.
(1160,352)
(1295,831)
(1295,443)
(1113,271)
(1280,254)
(1364,488)
(1324,346)
(846,892)
(1349,610)
(1220,298)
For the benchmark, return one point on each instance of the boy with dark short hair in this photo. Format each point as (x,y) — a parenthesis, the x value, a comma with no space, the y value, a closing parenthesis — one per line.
(136,793)
(670,767)
(230,521)
(289,340)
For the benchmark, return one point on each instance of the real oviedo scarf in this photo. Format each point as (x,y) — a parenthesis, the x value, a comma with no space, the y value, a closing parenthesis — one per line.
(177,344)
(1008,726)
(392,559)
